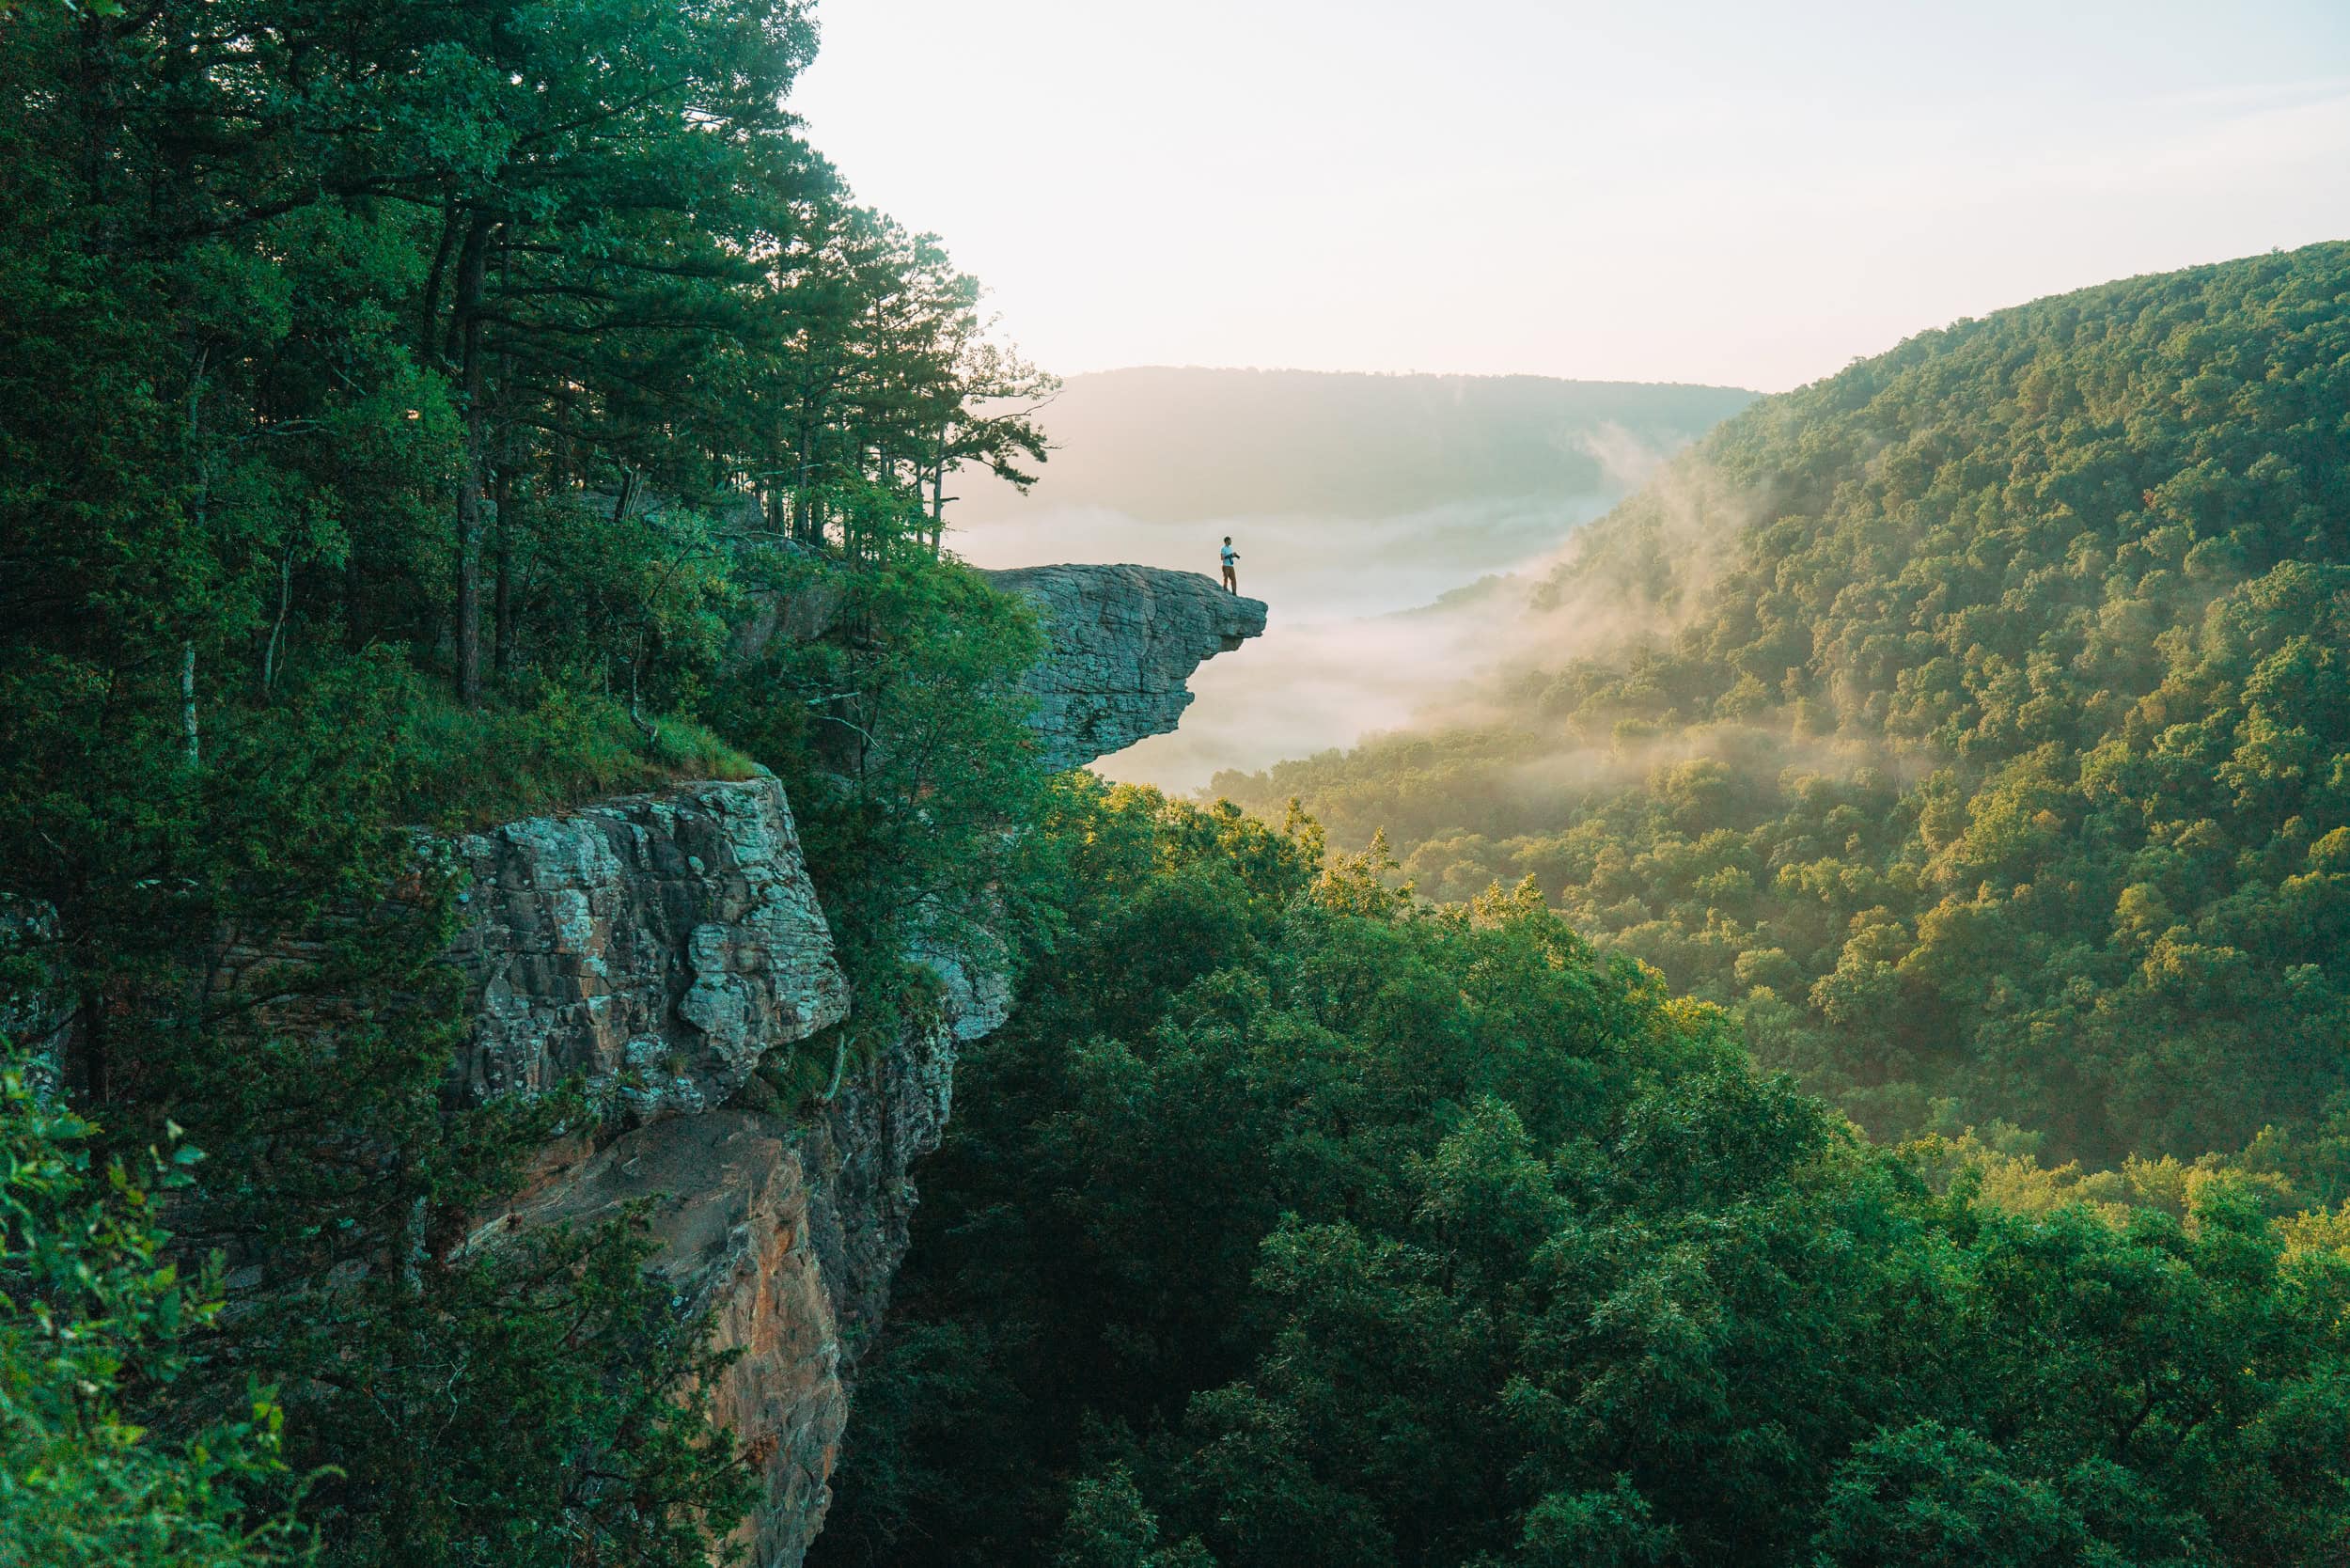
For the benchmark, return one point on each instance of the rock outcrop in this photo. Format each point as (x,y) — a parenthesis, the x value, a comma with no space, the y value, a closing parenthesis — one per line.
(659,945)
(662,945)
(1122,642)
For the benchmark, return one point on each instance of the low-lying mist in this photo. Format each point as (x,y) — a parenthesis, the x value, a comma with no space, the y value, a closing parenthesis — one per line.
(1373,620)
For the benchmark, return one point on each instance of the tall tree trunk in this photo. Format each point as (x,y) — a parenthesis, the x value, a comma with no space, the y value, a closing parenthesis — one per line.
(354,583)
(450,212)
(803,504)
(202,505)
(503,607)
(187,704)
(471,278)
(938,494)
(278,627)
(92,1037)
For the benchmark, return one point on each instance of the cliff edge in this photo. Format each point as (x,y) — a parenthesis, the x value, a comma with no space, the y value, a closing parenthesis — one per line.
(663,944)
(659,947)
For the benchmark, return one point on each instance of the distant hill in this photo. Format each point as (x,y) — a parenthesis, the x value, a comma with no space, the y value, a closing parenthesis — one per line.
(1171,444)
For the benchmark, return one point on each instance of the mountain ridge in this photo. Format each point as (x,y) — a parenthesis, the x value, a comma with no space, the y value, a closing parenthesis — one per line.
(1173,443)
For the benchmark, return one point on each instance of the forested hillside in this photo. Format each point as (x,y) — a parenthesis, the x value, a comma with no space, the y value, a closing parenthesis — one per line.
(1976,723)
(1973,727)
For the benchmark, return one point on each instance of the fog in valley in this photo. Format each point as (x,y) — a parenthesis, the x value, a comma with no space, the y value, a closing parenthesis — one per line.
(1391,523)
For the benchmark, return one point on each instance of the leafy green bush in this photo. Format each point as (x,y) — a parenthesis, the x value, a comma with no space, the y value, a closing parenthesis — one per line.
(901,740)
(95,1318)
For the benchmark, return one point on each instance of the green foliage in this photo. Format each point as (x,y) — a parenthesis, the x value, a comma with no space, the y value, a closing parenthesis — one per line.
(549,1378)
(93,1315)
(1292,1223)
(906,755)
(495,763)
(1973,723)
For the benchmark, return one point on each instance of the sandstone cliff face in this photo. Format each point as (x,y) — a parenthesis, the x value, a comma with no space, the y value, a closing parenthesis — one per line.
(675,940)
(662,945)
(1122,641)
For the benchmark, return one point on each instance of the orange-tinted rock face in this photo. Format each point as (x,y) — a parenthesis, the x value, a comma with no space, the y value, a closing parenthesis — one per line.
(784,1237)
(730,1204)
(662,945)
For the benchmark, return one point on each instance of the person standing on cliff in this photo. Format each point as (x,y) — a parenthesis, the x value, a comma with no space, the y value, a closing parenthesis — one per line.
(1231,576)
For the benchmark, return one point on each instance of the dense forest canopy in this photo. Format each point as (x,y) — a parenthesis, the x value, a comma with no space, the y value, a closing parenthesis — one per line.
(1290,1223)
(1975,722)
(1172,445)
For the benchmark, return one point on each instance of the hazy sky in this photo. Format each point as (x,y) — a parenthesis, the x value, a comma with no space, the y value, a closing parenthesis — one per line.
(1739,193)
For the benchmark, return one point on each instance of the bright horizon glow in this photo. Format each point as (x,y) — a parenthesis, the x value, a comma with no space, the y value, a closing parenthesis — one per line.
(1594,192)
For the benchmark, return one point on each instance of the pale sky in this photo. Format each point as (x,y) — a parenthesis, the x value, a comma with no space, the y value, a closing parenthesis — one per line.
(1738,192)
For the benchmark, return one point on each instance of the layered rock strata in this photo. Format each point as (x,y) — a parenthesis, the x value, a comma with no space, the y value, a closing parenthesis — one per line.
(784,1237)
(659,945)
(663,944)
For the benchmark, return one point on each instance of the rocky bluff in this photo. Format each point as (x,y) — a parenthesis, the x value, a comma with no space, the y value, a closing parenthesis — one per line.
(662,946)
(1121,641)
